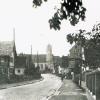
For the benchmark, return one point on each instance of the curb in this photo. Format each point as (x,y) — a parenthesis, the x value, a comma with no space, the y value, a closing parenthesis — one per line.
(20,84)
(56,92)
(89,95)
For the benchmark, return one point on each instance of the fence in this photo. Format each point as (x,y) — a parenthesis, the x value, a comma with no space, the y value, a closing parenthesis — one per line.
(93,83)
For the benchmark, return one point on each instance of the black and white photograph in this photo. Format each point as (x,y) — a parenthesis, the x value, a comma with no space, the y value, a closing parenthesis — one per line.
(49,49)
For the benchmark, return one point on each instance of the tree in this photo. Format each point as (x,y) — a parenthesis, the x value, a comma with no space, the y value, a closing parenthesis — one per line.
(30,70)
(92,55)
(91,43)
(71,10)
(65,61)
(86,39)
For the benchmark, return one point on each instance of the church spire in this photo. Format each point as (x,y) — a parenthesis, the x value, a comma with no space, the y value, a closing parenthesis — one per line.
(14,35)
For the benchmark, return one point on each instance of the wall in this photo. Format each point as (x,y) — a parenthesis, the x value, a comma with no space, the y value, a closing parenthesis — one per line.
(19,71)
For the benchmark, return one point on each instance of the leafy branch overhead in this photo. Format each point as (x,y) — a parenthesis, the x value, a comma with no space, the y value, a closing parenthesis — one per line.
(86,39)
(71,10)
(78,37)
(37,3)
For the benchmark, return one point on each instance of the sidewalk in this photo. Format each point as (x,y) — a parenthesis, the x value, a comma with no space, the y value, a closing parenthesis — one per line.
(5,86)
(70,91)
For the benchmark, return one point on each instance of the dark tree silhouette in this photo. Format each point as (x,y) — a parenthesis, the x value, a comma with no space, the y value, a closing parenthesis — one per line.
(71,10)
(65,61)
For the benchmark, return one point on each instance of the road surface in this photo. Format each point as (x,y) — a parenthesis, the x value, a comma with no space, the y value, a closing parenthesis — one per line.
(35,91)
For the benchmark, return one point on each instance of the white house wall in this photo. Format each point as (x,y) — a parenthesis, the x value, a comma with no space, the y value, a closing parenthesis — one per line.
(21,71)
(41,65)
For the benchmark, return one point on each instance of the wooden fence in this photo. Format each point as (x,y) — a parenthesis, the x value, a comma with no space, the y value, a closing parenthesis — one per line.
(93,83)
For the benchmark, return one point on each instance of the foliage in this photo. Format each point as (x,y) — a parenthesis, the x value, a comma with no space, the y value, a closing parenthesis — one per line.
(78,37)
(87,39)
(30,70)
(37,2)
(71,10)
(65,61)
(92,56)
(91,43)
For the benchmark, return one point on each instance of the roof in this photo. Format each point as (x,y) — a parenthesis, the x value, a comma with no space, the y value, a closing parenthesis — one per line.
(6,47)
(20,62)
(40,57)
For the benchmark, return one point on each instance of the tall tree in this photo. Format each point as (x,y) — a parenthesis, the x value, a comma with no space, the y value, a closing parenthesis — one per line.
(65,61)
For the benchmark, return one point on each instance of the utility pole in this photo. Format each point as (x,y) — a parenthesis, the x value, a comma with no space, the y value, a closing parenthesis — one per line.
(38,62)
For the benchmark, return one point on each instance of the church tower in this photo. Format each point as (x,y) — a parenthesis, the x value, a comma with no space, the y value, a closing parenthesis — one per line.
(49,58)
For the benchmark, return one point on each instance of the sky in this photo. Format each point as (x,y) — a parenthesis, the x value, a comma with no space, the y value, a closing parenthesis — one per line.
(32,27)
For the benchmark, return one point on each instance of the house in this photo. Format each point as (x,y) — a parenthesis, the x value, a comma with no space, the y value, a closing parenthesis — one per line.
(20,65)
(7,58)
(75,58)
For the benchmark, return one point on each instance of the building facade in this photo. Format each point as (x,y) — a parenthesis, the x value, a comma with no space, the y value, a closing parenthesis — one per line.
(75,58)
(44,61)
(7,58)
(20,65)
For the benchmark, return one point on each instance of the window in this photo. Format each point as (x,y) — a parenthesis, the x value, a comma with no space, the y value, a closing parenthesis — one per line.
(18,70)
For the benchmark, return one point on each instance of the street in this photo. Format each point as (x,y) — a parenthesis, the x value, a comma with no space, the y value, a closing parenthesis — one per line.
(36,91)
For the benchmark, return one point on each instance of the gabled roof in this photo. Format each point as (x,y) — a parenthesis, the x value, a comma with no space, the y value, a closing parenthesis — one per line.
(40,57)
(6,48)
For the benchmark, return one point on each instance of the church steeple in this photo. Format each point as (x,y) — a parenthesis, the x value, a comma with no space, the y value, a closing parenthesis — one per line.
(14,35)
(14,46)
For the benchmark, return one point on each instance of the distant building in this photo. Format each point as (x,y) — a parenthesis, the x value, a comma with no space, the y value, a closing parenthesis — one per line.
(57,60)
(20,65)
(40,60)
(44,61)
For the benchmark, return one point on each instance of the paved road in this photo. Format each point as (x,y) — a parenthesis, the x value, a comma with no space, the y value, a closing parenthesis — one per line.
(36,91)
